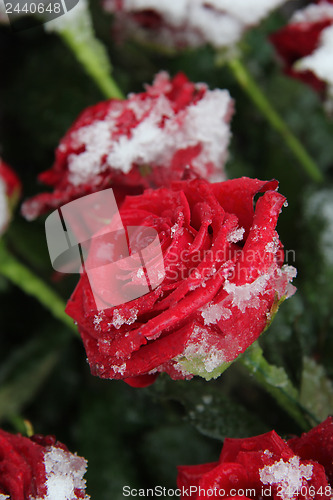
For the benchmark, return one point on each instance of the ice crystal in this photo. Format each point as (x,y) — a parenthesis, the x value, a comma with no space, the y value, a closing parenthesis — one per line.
(236,235)
(247,295)
(212,313)
(289,476)
(118,320)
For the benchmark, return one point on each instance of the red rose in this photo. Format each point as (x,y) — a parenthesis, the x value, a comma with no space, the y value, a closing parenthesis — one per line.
(187,23)
(10,190)
(317,445)
(175,130)
(38,468)
(306,44)
(222,281)
(265,466)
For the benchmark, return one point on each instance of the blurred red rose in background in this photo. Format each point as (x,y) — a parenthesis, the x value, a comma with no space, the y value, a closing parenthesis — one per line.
(306,46)
(175,130)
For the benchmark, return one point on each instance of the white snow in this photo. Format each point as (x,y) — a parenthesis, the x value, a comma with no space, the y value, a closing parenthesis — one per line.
(313,13)
(4,215)
(236,235)
(96,139)
(119,369)
(247,295)
(201,348)
(118,320)
(288,476)
(205,122)
(219,22)
(64,473)
(212,313)
(320,61)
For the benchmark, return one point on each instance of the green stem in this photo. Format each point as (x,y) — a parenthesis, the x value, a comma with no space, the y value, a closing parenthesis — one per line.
(25,279)
(21,425)
(275,381)
(254,92)
(86,55)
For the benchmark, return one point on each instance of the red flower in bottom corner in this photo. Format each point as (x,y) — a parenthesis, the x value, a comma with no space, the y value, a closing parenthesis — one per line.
(39,468)
(202,279)
(266,466)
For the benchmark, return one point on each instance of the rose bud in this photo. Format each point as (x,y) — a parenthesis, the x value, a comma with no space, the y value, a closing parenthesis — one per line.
(39,468)
(187,23)
(265,466)
(305,46)
(10,191)
(175,130)
(191,295)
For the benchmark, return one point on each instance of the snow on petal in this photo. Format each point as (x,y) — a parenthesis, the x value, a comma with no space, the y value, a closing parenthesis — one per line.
(289,476)
(64,474)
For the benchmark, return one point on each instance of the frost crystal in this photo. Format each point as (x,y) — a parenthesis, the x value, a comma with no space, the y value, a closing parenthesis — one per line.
(118,320)
(247,295)
(98,318)
(4,216)
(214,312)
(64,474)
(236,235)
(289,476)
(119,369)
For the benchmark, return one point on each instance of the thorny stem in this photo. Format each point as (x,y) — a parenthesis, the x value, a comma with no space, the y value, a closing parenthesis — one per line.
(254,92)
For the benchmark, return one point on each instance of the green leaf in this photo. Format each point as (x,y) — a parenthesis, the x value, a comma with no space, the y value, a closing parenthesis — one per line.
(316,393)
(213,413)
